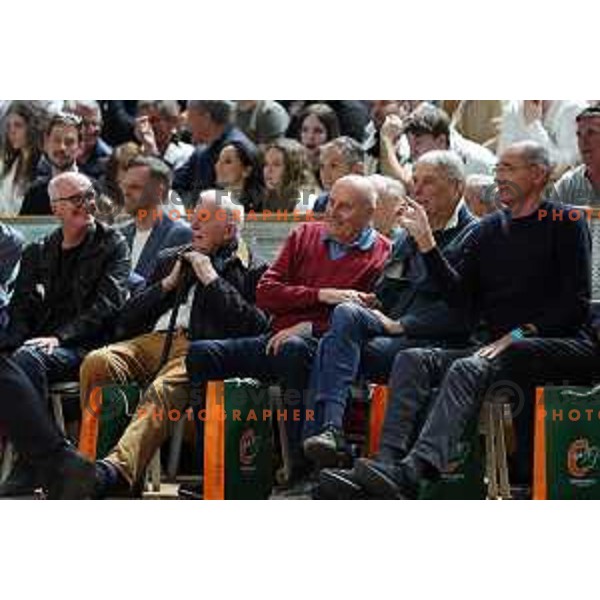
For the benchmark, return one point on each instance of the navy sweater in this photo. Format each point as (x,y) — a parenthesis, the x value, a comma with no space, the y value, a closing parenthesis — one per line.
(535,269)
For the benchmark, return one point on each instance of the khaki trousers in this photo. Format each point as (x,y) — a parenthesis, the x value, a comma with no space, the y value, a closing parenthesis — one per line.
(136,361)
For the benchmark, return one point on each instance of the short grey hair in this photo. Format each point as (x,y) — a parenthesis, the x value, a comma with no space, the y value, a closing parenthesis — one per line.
(387,187)
(71,106)
(351,150)
(235,212)
(447,160)
(480,181)
(220,111)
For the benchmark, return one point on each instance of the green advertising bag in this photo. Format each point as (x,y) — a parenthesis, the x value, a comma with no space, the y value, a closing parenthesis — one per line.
(567,444)
(238,445)
(109,411)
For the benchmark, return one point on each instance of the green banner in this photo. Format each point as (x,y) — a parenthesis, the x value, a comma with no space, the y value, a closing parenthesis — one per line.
(118,407)
(567,444)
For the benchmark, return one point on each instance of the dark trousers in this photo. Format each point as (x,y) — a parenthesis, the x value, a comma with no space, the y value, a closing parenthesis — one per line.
(425,427)
(44,369)
(247,357)
(25,418)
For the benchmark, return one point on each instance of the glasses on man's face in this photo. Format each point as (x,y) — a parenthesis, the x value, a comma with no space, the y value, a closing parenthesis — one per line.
(507,168)
(75,198)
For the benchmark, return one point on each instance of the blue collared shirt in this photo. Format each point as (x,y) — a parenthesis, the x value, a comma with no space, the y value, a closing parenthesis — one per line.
(364,241)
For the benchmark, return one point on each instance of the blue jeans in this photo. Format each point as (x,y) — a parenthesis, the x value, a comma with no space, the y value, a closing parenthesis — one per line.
(355,345)
(246,357)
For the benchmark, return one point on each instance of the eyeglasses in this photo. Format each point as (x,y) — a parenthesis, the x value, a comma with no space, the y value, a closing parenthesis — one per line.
(75,198)
(504,168)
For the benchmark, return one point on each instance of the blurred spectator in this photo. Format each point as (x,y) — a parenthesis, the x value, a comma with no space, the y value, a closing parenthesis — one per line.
(318,124)
(379,111)
(480,195)
(146,188)
(11,244)
(239,172)
(548,122)
(61,146)
(289,181)
(581,185)
(428,128)
(211,124)
(156,128)
(353,116)
(263,121)
(477,120)
(93,150)
(20,150)
(390,196)
(119,121)
(339,157)
(117,165)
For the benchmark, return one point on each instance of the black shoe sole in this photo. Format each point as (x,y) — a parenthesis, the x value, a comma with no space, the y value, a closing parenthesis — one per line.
(376,482)
(335,485)
(321,455)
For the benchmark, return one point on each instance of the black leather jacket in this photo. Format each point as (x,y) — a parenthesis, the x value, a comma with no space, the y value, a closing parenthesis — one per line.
(77,306)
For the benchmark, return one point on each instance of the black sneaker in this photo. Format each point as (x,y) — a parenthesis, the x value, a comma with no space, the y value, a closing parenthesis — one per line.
(325,448)
(191,491)
(110,483)
(386,481)
(338,484)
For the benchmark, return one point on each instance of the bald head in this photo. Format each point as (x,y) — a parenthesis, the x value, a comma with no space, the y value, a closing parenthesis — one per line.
(522,173)
(351,207)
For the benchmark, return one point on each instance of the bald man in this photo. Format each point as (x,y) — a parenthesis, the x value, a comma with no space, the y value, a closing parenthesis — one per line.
(320,265)
(71,285)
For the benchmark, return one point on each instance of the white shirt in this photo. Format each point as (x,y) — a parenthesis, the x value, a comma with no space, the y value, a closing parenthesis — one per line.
(139,241)
(557,131)
(478,160)
(11,192)
(183,316)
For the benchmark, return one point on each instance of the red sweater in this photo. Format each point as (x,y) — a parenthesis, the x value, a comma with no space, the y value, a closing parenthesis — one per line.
(289,289)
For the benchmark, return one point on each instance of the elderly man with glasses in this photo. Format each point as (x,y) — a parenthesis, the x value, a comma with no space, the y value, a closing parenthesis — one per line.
(71,285)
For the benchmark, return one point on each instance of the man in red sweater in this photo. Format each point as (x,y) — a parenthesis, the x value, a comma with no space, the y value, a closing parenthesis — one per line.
(320,265)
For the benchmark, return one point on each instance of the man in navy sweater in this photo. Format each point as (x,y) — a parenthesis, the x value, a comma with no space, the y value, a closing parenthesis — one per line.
(525,272)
